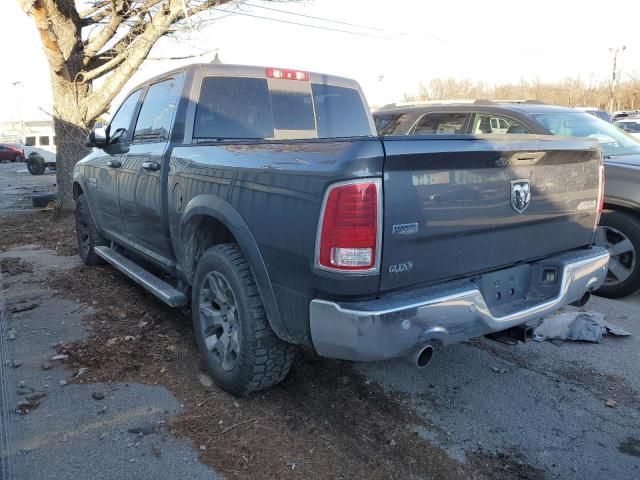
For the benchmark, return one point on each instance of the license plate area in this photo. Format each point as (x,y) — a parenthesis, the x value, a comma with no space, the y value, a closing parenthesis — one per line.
(506,286)
(519,287)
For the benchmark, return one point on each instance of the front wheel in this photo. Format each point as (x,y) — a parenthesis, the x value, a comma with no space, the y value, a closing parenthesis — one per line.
(241,351)
(622,239)
(16,158)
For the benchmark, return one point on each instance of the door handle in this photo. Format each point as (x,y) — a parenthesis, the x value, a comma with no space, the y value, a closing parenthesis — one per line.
(152,166)
(114,164)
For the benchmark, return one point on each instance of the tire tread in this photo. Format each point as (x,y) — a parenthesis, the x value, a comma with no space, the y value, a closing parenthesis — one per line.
(272,358)
(96,238)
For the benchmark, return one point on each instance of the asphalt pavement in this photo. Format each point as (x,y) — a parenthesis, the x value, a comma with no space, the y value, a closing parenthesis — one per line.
(571,409)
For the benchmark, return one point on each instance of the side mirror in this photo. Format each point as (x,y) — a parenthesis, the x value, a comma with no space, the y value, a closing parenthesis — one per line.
(97,138)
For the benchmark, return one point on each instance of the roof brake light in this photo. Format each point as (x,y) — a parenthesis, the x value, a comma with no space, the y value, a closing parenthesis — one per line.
(286,74)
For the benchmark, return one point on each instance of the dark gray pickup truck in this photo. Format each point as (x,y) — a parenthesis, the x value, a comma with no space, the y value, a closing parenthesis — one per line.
(284,220)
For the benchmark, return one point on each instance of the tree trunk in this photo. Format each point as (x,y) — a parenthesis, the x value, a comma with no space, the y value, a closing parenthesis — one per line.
(69,107)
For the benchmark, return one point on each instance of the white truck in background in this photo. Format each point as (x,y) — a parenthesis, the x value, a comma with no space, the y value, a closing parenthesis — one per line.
(39,158)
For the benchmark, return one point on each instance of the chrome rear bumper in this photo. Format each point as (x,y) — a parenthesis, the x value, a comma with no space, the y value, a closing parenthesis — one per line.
(396,324)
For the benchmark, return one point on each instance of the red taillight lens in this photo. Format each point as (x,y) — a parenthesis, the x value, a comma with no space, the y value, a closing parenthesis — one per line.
(286,74)
(349,230)
(600,196)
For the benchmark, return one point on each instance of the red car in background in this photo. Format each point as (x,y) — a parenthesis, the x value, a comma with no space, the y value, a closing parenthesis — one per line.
(11,153)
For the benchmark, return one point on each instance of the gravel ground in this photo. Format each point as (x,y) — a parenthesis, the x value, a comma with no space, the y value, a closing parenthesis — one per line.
(482,409)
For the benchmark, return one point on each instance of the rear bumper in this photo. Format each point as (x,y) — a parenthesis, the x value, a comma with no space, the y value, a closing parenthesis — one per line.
(397,324)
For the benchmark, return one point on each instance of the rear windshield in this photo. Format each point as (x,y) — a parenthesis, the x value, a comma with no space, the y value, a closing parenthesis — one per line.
(247,108)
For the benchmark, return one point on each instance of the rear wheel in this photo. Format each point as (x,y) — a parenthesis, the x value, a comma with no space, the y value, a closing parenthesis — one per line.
(622,239)
(240,349)
(87,233)
(35,165)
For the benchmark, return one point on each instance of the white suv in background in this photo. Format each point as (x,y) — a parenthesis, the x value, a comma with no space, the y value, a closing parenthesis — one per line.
(630,125)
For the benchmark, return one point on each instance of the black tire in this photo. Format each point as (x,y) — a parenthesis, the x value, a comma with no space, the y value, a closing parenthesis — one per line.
(261,359)
(622,234)
(41,201)
(35,165)
(87,233)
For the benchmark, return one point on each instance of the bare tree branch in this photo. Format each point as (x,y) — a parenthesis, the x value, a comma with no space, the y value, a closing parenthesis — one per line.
(99,101)
(104,68)
(93,9)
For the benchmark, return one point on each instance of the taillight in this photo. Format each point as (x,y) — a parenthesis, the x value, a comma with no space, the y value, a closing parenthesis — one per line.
(600,195)
(349,234)
(286,74)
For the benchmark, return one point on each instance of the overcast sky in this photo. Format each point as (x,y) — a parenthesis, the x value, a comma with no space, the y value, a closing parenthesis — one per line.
(408,41)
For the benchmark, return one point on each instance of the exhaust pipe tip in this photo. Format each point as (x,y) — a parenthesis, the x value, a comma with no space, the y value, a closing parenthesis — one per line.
(422,356)
(583,300)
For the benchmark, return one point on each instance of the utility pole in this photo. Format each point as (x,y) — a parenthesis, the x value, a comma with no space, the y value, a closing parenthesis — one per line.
(615,76)
(18,98)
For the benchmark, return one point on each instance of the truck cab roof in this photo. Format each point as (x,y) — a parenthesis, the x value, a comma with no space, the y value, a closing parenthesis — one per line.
(248,71)
(478,106)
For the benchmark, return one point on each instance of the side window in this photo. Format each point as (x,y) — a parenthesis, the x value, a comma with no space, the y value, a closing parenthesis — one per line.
(440,124)
(490,124)
(156,114)
(118,129)
(30,141)
(388,123)
(44,141)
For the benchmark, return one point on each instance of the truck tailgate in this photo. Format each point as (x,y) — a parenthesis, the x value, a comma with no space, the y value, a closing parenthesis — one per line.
(459,205)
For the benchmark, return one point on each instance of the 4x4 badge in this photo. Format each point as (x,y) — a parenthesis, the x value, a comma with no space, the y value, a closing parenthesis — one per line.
(520,195)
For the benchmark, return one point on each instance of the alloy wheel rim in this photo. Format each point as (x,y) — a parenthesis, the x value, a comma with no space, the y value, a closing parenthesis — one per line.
(623,256)
(219,321)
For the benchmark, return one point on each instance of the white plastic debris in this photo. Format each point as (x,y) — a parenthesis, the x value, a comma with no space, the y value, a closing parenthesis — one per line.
(576,326)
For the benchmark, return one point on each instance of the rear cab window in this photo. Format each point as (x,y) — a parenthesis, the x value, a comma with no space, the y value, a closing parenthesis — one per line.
(238,108)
